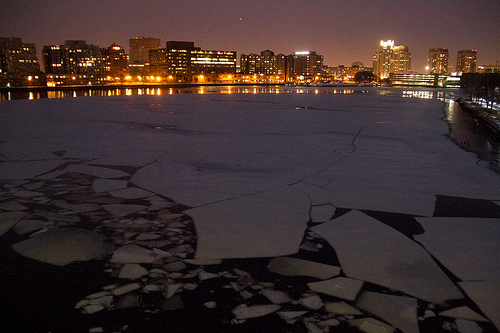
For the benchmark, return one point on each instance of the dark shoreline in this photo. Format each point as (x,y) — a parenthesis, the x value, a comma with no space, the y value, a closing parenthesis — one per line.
(482,115)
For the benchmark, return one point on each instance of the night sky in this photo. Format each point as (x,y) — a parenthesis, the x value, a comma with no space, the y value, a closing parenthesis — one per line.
(342,30)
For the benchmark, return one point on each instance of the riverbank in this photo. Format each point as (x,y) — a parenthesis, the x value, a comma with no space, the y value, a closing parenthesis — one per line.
(489,117)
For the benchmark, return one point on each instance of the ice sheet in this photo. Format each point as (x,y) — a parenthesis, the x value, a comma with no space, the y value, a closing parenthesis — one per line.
(486,294)
(340,287)
(468,247)
(246,227)
(64,245)
(9,219)
(399,311)
(371,251)
(27,169)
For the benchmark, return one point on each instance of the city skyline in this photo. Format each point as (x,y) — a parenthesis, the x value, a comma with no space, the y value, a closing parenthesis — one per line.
(343,31)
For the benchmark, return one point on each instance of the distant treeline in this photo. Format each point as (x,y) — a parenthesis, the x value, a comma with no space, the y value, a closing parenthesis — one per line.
(482,87)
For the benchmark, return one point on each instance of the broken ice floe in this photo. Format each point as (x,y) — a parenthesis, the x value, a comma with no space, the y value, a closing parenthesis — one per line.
(64,245)
(322,213)
(106,185)
(486,295)
(9,219)
(133,254)
(99,172)
(27,169)
(243,311)
(131,193)
(313,302)
(283,212)
(371,251)
(341,308)
(12,205)
(463,312)
(276,296)
(340,287)
(123,210)
(351,162)
(468,247)
(371,325)
(298,267)
(399,311)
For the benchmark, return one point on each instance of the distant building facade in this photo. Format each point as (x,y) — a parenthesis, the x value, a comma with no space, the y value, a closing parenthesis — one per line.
(390,58)
(213,62)
(345,74)
(488,68)
(18,63)
(305,66)
(267,63)
(466,61)
(430,80)
(139,48)
(438,61)
(115,63)
(183,62)
(74,62)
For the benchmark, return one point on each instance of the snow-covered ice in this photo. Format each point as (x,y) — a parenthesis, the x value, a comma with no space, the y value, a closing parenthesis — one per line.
(9,219)
(371,251)
(486,295)
(252,171)
(281,211)
(299,267)
(340,287)
(399,311)
(468,247)
(64,245)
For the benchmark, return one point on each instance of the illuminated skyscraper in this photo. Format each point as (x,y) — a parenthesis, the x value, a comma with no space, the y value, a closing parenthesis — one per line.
(437,62)
(466,61)
(391,58)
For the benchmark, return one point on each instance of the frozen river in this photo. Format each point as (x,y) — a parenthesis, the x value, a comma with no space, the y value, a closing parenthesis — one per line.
(248,209)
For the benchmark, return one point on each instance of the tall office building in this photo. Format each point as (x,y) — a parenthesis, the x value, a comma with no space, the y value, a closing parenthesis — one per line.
(115,62)
(18,62)
(179,59)
(466,61)
(391,58)
(139,48)
(437,62)
(305,65)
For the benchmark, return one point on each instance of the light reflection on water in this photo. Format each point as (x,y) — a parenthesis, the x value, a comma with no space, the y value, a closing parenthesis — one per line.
(39,94)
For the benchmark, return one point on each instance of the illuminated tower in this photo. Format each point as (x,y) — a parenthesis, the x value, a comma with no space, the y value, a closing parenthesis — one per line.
(466,61)
(437,62)
(391,58)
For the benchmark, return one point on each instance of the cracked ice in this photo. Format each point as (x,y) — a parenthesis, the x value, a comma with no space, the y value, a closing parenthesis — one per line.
(254,171)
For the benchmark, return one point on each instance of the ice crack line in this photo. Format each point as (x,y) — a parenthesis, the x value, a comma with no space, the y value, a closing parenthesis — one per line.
(353,150)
